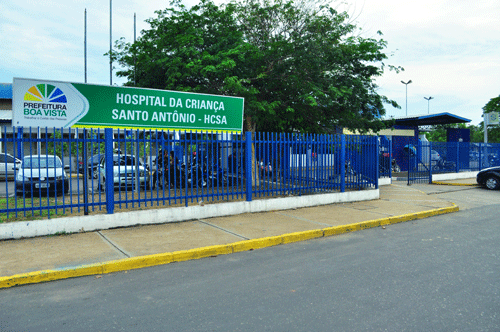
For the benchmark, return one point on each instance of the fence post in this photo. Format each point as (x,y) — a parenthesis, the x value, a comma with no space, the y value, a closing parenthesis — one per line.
(248,165)
(457,165)
(430,162)
(342,163)
(377,161)
(479,156)
(390,159)
(20,148)
(110,188)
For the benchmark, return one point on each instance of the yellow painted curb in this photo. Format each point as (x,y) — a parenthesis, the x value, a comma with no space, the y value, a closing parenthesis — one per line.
(210,251)
(302,236)
(455,184)
(257,243)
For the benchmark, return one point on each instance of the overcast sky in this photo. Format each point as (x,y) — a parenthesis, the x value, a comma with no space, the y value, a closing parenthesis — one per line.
(450,49)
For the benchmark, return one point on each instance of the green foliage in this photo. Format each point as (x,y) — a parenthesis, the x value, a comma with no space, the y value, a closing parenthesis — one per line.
(60,147)
(493,105)
(33,214)
(438,133)
(300,66)
(57,146)
(493,131)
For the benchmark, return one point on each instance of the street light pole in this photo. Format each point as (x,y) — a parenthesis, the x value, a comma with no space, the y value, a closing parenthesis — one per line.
(406,83)
(428,102)
(110,43)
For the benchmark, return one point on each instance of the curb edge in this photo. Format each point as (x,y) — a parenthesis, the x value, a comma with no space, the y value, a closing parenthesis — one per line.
(209,251)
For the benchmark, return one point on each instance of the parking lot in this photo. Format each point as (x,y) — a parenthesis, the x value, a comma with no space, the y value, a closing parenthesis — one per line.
(7,188)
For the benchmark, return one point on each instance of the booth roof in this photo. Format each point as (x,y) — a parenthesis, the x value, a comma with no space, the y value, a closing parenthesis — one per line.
(430,119)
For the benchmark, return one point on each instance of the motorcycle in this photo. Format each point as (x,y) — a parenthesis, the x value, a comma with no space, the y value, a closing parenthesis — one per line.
(493,160)
(349,170)
(170,173)
(205,174)
(444,165)
(266,170)
(384,162)
(395,166)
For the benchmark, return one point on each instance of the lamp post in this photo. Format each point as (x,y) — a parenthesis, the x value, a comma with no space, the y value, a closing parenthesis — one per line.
(110,43)
(428,102)
(406,83)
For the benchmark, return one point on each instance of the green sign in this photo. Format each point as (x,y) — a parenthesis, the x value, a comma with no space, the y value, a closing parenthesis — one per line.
(39,103)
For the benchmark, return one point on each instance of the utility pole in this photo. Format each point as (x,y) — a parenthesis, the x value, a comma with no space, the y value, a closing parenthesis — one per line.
(110,45)
(428,102)
(406,95)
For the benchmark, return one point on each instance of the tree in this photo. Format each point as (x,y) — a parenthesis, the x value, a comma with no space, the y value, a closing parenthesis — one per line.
(311,66)
(438,133)
(493,105)
(493,131)
(299,66)
(191,50)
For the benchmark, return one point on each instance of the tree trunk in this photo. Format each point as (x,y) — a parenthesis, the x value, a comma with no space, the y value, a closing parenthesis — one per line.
(251,128)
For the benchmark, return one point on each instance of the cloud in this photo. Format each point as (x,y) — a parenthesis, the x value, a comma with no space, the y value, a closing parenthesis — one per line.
(450,49)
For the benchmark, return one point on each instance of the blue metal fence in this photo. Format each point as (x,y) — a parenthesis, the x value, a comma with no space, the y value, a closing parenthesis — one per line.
(460,156)
(422,159)
(109,170)
(385,157)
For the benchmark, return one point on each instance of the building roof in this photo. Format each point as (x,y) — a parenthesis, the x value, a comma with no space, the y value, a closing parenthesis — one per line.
(430,119)
(5,115)
(5,90)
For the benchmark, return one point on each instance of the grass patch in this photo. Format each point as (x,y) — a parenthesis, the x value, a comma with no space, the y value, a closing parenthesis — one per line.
(36,208)
(71,205)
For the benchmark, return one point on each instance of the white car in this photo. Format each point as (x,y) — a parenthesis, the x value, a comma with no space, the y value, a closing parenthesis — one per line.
(124,173)
(8,165)
(41,174)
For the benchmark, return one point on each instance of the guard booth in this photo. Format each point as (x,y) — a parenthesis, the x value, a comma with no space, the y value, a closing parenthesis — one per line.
(415,155)
(458,135)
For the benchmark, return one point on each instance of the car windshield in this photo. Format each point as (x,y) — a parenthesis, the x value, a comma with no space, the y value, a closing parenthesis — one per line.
(41,162)
(122,160)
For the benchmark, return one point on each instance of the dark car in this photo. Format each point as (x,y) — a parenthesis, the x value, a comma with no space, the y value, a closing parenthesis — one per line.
(41,174)
(92,164)
(489,177)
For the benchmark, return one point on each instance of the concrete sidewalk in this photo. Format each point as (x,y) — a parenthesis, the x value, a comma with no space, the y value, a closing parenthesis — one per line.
(48,258)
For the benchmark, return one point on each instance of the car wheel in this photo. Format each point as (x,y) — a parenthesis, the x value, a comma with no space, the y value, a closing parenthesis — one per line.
(100,186)
(95,174)
(492,183)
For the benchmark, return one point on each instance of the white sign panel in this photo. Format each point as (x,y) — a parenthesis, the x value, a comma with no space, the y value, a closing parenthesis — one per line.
(492,118)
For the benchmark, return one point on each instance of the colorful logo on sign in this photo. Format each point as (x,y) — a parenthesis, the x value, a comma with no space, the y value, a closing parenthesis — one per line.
(45,93)
(45,100)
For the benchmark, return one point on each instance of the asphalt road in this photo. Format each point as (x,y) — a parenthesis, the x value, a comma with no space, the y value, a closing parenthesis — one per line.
(8,187)
(434,274)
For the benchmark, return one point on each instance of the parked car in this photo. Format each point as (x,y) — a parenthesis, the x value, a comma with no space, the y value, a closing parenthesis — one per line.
(124,172)
(41,174)
(92,164)
(473,155)
(435,156)
(489,177)
(8,165)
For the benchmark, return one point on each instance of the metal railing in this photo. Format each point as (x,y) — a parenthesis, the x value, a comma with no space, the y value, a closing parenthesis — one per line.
(110,170)
(422,159)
